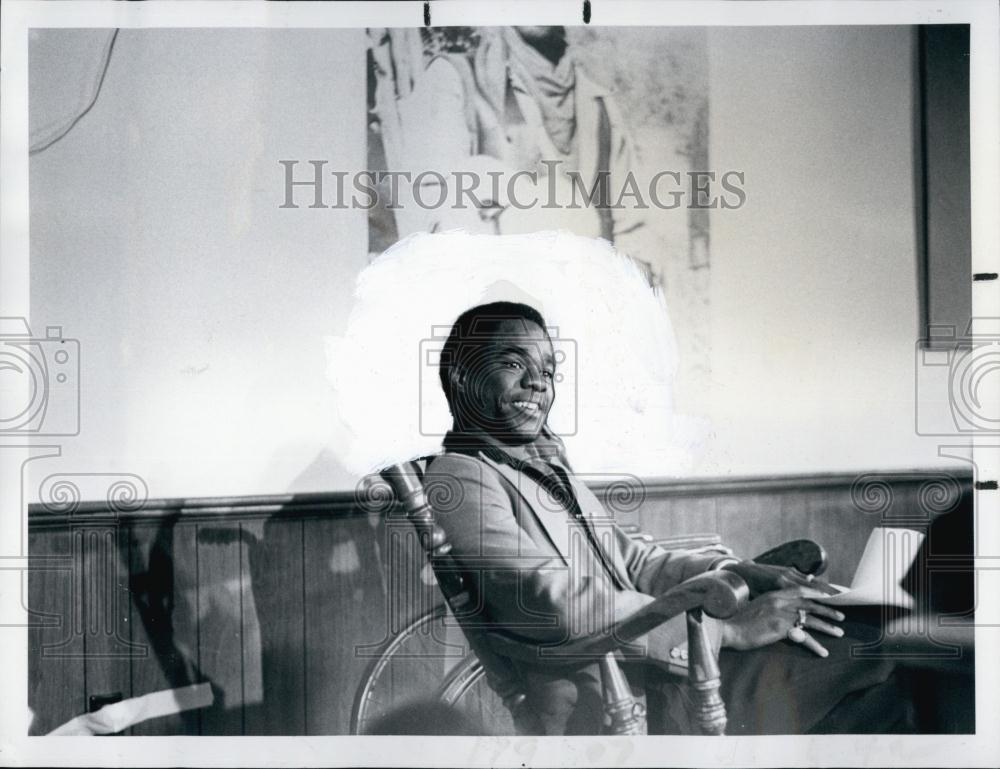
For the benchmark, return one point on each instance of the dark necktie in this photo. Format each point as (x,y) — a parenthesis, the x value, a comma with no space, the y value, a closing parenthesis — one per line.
(554,479)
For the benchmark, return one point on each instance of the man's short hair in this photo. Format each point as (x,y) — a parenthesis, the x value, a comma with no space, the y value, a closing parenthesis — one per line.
(474,328)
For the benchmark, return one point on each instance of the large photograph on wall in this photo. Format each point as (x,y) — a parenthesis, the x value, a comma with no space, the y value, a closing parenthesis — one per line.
(601,132)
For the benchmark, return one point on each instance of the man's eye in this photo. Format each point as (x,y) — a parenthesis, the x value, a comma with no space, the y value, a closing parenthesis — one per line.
(513,364)
(548,374)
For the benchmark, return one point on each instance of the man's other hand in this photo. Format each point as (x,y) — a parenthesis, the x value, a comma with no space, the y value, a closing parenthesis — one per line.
(782,614)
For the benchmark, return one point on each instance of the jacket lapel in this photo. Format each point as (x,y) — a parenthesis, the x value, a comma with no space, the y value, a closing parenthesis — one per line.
(539,511)
(542,513)
(601,524)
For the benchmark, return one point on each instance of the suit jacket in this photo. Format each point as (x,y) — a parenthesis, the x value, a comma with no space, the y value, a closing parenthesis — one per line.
(537,576)
(531,568)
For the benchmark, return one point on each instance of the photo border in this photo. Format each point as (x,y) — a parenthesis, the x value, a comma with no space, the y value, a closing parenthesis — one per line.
(885,750)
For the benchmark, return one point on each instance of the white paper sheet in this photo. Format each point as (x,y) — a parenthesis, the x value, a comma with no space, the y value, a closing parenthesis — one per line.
(887,557)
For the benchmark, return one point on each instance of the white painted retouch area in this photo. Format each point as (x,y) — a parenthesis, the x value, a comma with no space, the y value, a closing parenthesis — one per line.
(611,333)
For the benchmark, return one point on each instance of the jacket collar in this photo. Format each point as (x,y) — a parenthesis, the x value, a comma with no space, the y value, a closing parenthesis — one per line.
(547,446)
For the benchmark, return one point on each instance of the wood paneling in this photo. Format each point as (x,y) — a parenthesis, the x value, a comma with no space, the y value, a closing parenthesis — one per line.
(751,525)
(107,645)
(220,624)
(274,572)
(665,516)
(280,602)
(164,616)
(841,530)
(55,645)
(410,588)
(345,609)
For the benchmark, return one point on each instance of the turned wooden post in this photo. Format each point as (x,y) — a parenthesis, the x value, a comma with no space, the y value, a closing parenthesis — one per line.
(703,677)
(407,484)
(627,716)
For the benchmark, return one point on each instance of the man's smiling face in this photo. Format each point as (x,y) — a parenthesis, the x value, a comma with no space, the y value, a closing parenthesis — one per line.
(506,387)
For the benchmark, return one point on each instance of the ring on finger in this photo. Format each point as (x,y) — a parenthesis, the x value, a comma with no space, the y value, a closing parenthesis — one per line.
(801,621)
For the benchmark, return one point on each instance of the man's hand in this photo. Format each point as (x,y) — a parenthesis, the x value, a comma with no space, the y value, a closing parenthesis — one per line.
(762,579)
(769,618)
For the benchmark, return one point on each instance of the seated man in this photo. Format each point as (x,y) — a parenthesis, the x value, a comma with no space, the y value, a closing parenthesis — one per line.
(548,564)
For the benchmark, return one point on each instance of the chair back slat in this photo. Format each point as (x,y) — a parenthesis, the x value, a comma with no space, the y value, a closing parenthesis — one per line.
(406,481)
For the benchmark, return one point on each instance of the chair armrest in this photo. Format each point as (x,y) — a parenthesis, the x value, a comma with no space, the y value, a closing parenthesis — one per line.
(719,594)
(801,554)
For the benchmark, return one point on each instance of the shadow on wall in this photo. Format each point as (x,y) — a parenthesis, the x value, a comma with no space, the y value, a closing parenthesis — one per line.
(264,610)
(166,614)
(324,472)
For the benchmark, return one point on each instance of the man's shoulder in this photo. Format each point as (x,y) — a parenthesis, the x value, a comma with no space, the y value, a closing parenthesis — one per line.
(471,477)
(462,466)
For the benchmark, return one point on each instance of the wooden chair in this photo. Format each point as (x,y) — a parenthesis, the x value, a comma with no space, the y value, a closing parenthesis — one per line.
(716,594)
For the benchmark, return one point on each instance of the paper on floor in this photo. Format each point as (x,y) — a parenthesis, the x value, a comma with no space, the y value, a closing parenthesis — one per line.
(121,715)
